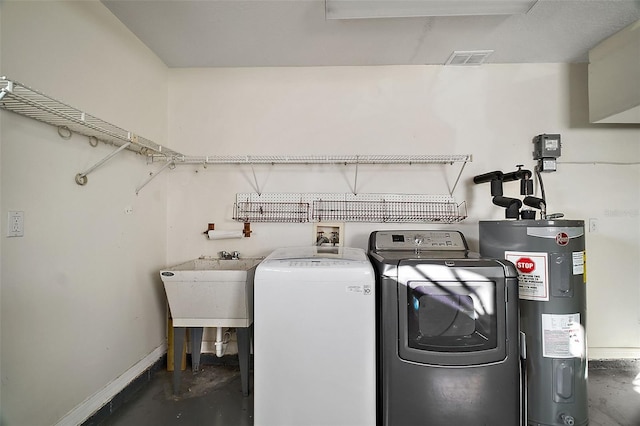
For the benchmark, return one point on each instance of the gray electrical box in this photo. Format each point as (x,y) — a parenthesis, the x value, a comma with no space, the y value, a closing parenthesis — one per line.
(546,146)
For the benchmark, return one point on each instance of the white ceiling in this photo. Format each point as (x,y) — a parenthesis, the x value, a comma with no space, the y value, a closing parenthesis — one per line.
(239,33)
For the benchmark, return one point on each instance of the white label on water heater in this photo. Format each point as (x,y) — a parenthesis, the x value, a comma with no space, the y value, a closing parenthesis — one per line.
(578,262)
(533,274)
(562,336)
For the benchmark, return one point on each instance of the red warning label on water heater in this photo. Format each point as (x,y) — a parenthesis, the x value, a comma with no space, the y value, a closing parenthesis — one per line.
(533,274)
(525,264)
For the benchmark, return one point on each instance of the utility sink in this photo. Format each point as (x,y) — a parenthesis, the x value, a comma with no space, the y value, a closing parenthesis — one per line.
(211,292)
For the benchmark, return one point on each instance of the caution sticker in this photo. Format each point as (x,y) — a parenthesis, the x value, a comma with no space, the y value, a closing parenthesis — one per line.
(562,336)
(533,274)
(578,262)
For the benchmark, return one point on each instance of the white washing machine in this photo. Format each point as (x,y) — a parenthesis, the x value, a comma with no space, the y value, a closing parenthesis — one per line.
(314,338)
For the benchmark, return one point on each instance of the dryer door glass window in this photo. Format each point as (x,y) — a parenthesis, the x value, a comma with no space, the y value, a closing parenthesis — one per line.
(452,316)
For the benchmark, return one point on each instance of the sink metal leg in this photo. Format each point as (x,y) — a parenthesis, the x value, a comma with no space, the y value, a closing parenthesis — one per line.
(195,333)
(244,348)
(178,345)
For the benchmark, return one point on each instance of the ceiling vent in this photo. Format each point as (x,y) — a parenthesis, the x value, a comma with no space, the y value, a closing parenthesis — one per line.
(468,57)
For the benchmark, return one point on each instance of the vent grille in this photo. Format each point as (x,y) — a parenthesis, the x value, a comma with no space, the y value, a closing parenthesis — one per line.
(468,57)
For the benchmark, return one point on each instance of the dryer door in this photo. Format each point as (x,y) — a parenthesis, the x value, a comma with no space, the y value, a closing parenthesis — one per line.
(451,316)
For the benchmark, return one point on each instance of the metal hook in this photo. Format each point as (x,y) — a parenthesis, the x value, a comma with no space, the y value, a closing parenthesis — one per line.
(81,179)
(64,132)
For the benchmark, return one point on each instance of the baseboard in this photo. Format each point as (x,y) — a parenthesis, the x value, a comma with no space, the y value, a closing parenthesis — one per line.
(614,353)
(103,398)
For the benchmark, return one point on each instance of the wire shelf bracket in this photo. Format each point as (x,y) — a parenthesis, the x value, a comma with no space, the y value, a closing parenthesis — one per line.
(169,164)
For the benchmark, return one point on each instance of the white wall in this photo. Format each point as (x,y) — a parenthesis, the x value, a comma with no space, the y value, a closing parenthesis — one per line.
(491,112)
(81,302)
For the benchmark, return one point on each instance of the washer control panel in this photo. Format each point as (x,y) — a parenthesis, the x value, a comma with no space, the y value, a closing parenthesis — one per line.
(420,240)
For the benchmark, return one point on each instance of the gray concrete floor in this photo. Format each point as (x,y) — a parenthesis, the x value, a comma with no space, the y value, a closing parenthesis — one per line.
(614,393)
(213,397)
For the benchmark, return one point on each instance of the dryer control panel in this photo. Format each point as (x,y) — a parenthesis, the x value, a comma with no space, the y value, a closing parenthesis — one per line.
(419,239)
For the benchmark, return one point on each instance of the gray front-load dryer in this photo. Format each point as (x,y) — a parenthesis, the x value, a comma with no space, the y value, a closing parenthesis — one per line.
(448,332)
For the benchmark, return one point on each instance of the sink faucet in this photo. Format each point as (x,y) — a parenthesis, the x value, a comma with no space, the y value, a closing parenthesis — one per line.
(229,256)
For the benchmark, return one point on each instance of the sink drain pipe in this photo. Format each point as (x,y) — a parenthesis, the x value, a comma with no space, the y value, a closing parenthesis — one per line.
(221,343)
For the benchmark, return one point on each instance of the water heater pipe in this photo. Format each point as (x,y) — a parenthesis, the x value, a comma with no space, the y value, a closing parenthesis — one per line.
(511,205)
(488,177)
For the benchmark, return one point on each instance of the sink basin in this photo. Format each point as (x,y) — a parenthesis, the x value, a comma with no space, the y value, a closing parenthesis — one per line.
(209,292)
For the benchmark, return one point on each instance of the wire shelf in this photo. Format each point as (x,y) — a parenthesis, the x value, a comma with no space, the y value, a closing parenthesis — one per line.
(388,211)
(326,159)
(23,100)
(31,103)
(271,212)
(333,207)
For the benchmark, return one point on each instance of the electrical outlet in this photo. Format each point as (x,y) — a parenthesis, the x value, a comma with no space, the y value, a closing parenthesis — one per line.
(15,224)
(593,225)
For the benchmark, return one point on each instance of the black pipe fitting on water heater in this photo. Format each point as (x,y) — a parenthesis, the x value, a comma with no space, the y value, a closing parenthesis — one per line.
(526,187)
(516,175)
(512,206)
(535,202)
(496,181)
(524,176)
(488,177)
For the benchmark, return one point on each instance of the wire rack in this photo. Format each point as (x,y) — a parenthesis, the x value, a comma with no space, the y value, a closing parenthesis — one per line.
(323,207)
(23,100)
(326,159)
(388,211)
(271,212)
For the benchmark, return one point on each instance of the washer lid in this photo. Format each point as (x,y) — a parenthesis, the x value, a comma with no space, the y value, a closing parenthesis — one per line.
(318,253)
(309,264)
